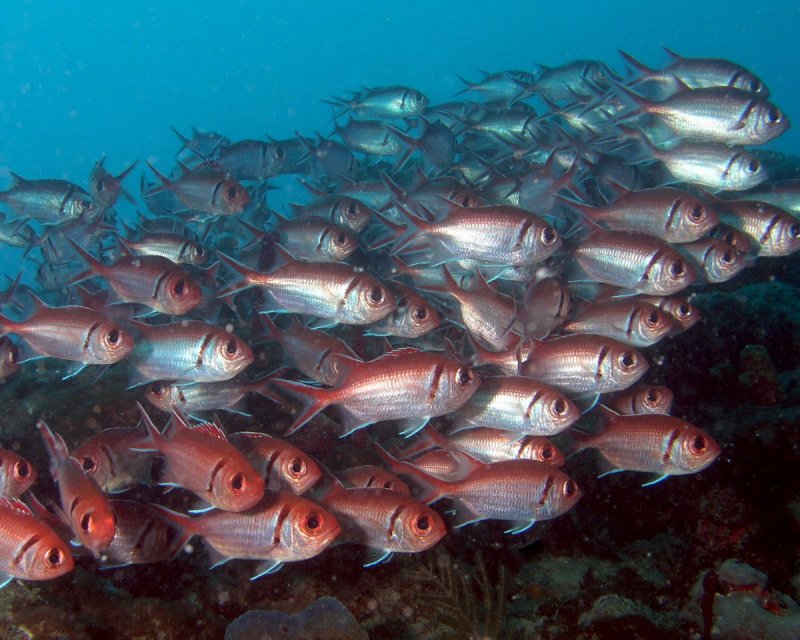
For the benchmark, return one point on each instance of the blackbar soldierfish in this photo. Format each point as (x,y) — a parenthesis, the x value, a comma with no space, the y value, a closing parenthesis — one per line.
(384,102)
(283,466)
(188,350)
(652,443)
(383,520)
(85,506)
(627,320)
(77,334)
(229,395)
(47,200)
(154,281)
(584,364)
(521,491)
(199,458)
(635,261)
(336,292)
(281,528)
(210,192)
(29,549)
(369,476)
(109,458)
(518,404)
(106,188)
(16,474)
(405,384)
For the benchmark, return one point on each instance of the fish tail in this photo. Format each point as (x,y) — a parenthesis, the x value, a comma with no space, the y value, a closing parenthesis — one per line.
(95,266)
(54,443)
(154,437)
(187,526)
(250,276)
(431,488)
(313,400)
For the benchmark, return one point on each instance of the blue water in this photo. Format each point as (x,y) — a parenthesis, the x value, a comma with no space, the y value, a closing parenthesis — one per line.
(84,79)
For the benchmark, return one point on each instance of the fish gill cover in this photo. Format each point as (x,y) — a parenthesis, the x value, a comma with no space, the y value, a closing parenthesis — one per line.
(349,327)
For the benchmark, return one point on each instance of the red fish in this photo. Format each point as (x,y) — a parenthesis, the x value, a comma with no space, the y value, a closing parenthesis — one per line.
(111,459)
(200,459)
(29,549)
(210,192)
(16,474)
(522,491)
(369,476)
(653,443)
(86,508)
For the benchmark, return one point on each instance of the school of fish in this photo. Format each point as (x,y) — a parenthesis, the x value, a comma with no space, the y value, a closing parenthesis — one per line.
(475,276)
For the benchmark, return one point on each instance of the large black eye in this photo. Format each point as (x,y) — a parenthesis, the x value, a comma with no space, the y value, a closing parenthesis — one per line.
(549,236)
(570,488)
(376,295)
(340,239)
(653,317)
(417,96)
(180,287)
(420,313)
(755,86)
(794,230)
(698,444)
(423,523)
(232,193)
(351,210)
(683,310)
(697,213)
(728,258)
(753,167)
(676,268)
(773,115)
(546,453)
(279,152)
(158,389)
(100,185)
(312,522)
(199,251)
(231,347)
(652,396)
(628,360)
(54,557)
(113,336)
(464,376)
(560,407)
(89,464)
(238,483)
(22,470)
(297,467)
(86,522)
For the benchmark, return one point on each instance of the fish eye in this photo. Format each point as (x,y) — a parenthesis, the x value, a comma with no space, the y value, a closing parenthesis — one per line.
(22,470)
(297,467)
(559,406)
(652,396)
(549,235)
(420,313)
(755,86)
(238,484)
(158,389)
(231,348)
(86,522)
(683,310)
(340,238)
(546,453)
(570,489)
(422,525)
(388,485)
(753,167)
(351,211)
(653,317)
(13,354)
(773,116)
(794,230)
(89,464)
(232,193)
(698,445)
(100,185)
(727,258)
(628,360)
(312,523)
(180,287)
(677,269)
(376,295)
(464,376)
(54,557)
(698,213)
(199,251)
(279,152)
(113,336)
(417,96)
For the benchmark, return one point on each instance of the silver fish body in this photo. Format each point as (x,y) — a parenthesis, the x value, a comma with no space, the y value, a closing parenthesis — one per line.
(627,320)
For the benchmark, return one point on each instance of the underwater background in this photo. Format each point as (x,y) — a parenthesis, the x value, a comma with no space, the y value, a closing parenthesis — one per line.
(85,80)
